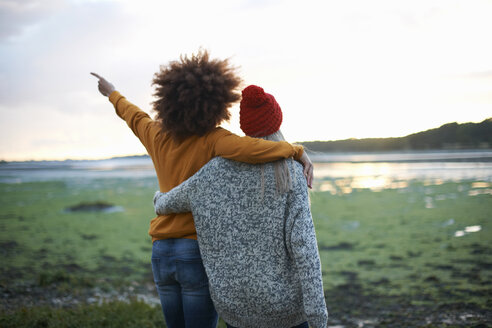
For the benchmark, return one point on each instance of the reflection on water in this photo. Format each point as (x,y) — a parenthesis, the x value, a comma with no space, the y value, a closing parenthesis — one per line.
(434,173)
(480,185)
(375,171)
(469,229)
(480,192)
(346,186)
(480,188)
(405,156)
(344,177)
(373,183)
(433,182)
(475,228)
(378,183)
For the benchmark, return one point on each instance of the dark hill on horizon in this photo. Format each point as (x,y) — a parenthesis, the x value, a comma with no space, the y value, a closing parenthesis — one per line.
(450,136)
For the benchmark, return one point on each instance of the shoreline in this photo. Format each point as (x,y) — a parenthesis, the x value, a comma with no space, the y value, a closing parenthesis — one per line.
(315,154)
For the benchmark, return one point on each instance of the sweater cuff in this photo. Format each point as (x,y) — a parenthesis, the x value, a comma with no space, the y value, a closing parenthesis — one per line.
(298,151)
(114,97)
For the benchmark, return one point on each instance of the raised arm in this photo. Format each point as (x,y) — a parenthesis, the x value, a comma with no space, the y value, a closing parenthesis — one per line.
(139,122)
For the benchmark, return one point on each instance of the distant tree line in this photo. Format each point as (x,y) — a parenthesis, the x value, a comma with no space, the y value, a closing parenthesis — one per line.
(448,136)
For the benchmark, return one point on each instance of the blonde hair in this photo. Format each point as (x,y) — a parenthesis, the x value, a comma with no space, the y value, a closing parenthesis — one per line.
(283,179)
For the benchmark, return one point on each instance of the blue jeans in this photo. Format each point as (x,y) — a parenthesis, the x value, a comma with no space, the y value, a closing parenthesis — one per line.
(302,325)
(182,284)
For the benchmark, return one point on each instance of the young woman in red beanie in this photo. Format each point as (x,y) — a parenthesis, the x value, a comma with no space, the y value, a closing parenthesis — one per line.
(193,96)
(255,231)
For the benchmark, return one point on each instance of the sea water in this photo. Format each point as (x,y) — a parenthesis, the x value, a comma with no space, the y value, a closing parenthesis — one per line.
(366,169)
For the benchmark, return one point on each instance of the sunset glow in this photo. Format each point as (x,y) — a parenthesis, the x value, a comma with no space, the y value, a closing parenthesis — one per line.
(339,69)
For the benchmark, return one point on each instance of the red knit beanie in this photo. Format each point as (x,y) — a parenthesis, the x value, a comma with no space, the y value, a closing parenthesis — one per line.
(260,114)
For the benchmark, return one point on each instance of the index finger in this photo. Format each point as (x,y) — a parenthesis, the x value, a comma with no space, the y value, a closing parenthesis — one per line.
(96,75)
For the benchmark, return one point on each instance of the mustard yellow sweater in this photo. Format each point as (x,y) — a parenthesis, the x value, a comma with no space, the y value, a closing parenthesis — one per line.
(175,162)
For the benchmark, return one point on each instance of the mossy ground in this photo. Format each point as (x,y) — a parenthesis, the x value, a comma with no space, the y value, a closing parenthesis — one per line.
(39,237)
(390,257)
(395,257)
(395,244)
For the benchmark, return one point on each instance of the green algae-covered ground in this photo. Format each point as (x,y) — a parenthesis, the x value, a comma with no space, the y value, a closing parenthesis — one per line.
(40,236)
(420,254)
(416,240)
(416,254)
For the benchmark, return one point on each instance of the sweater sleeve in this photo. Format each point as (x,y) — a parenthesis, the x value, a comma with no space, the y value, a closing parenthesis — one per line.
(177,200)
(138,121)
(253,150)
(304,250)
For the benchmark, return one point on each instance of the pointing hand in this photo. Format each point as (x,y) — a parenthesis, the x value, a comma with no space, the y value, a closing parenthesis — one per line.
(105,87)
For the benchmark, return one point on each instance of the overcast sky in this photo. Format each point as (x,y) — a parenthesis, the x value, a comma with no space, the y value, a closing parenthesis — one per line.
(339,69)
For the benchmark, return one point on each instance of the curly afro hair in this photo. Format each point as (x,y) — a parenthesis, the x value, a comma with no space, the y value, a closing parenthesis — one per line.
(194,94)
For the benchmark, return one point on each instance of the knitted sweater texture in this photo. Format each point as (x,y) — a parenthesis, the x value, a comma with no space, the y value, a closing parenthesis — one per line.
(258,248)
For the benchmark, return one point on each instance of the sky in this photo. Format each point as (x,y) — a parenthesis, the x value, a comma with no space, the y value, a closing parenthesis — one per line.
(339,69)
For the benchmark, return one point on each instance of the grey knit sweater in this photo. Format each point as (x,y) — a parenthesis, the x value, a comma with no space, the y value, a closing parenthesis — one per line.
(258,248)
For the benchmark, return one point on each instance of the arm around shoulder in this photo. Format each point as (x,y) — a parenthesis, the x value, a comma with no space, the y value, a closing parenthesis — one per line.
(252,150)
(177,200)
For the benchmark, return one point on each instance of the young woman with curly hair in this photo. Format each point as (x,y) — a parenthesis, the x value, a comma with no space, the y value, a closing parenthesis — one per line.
(193,96)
